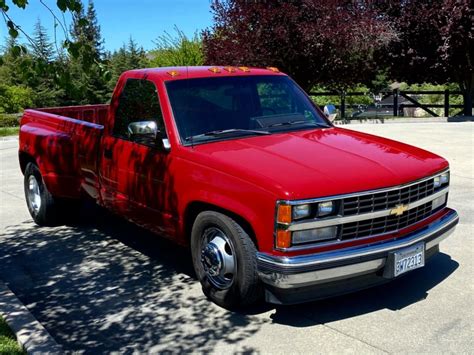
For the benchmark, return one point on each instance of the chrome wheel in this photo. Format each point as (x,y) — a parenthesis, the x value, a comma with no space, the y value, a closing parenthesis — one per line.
(34,196)
(218,258)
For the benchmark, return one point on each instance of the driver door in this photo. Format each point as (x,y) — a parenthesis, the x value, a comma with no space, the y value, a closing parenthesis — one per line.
(133,173)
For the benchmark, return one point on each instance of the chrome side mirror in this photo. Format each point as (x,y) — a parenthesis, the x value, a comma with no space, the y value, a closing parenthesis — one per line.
(330,112)
(142,128)
(147,132)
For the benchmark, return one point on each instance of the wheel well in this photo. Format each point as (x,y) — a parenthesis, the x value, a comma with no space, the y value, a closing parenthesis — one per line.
(197,207)
(25,158)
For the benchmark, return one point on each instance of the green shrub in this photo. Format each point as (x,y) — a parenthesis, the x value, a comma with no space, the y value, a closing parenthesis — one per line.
(14,99)
(10,119)
(178,50)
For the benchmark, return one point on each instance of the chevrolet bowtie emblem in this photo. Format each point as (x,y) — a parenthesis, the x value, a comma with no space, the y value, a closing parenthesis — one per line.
(398,210)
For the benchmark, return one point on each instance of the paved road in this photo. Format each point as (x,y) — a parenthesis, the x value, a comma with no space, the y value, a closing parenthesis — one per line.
(110,286)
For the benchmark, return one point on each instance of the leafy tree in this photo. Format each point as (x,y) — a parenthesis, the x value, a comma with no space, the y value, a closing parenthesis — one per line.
(71,6)
(177,50)
(434,43)
(329,42)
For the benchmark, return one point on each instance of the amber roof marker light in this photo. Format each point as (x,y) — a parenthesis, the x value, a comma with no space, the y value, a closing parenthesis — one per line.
(214,70)
(230,69)
(273,69)
(244,69)
(173,73)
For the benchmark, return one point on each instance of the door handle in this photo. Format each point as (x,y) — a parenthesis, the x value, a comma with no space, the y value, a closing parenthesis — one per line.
(108,153)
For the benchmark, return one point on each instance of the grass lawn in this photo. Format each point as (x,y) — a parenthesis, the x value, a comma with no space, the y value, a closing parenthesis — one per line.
(9,131)
(8,344)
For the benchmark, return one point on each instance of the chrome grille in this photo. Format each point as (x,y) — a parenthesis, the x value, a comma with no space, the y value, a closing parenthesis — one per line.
(386,224)
(385,200)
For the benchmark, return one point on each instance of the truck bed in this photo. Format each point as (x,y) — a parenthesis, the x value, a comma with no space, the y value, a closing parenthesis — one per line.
(64,143)
(89,113)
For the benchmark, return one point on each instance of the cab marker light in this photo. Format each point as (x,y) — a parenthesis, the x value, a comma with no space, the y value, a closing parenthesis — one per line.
(273,69)
(173,73)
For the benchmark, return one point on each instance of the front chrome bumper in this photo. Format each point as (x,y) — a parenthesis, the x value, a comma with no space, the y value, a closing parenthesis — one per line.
(287,273)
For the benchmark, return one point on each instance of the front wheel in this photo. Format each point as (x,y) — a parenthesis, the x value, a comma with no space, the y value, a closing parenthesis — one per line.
(224,259)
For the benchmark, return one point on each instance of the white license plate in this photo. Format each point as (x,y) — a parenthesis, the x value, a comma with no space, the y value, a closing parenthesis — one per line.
(409,259)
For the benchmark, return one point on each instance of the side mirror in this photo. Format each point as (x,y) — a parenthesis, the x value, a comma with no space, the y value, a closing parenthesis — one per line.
(330,112)
(147,132)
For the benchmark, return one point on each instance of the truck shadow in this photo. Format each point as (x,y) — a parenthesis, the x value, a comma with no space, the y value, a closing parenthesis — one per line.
(107,285)
(396,295)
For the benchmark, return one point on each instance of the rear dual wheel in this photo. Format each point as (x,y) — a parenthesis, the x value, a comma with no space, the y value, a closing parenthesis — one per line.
(44,208)
(224,258)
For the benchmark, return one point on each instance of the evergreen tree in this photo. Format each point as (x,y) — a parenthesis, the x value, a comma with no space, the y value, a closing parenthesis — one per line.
(87,66)
(47,92)
(17,63)
(42,47)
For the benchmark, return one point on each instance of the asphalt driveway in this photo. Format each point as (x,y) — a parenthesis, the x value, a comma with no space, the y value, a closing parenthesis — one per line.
(106,285)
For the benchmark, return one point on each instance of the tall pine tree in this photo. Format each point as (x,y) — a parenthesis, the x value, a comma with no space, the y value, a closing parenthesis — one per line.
(88,70)
(47,92)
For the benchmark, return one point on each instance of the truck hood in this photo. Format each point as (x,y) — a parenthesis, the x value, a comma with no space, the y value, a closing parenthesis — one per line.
(320,162)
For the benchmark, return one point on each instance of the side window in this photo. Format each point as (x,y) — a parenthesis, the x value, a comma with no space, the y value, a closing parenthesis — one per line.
(137,102)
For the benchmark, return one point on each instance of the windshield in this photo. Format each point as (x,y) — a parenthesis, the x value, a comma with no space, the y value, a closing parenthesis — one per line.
(208,109)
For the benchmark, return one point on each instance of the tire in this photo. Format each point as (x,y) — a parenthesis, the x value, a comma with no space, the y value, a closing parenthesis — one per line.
(216,237)
(43,207)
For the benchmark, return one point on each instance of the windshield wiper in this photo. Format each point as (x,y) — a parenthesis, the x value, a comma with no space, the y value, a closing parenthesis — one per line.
(226,132)
(289,123)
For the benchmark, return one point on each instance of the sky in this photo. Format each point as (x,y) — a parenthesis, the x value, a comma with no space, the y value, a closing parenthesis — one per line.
(144,20)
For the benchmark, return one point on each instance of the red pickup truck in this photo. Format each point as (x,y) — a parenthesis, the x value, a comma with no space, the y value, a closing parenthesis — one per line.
(242,167)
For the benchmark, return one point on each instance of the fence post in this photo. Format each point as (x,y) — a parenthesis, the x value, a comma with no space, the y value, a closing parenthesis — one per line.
(343,105)
(395,102)
(446,103)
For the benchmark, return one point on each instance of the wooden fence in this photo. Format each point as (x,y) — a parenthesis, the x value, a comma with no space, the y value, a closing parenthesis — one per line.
(396,95)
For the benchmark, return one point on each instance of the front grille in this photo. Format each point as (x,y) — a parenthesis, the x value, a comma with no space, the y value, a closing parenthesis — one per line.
(385,200)
(385,224)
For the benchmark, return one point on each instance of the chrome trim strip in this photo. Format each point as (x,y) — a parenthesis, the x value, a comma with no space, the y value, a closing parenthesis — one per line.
(358,217)
(322,276)
(360,193)
(451,218)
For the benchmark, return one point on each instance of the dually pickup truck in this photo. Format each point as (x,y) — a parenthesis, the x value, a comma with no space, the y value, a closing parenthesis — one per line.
(242,167)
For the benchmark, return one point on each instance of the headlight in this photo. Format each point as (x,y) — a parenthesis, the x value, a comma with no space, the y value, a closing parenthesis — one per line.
(314,235)
(301,211)
(326,208)
(441,180)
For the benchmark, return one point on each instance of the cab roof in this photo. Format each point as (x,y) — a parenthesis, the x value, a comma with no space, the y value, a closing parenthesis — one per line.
(191,72)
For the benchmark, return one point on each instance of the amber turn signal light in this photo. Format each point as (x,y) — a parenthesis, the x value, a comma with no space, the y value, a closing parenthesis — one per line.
(283,239)
(284,214)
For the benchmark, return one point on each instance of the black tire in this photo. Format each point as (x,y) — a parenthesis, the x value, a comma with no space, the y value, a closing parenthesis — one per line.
(49,209)
(245,288)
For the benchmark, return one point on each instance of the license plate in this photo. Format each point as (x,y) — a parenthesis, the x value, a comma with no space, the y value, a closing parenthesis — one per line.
(409,259)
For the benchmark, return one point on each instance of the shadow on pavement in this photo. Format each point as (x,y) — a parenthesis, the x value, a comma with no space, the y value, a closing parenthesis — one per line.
(398,294)
(110,286)
(107,285)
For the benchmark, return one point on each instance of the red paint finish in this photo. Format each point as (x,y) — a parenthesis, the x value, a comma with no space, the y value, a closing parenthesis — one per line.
(78,155)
